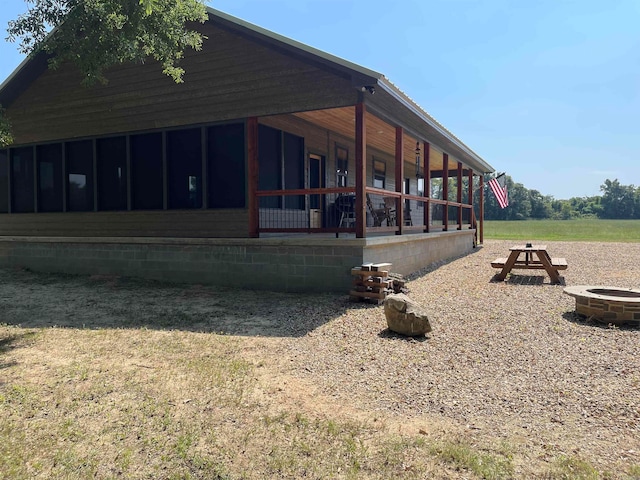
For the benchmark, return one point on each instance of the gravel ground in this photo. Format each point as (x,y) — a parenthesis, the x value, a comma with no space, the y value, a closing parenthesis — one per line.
(506,361)
(510,358)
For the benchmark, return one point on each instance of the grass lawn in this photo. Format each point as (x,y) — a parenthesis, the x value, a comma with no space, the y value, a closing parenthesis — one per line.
(587,230)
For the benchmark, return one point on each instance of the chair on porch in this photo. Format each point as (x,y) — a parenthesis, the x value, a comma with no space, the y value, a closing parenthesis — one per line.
(345,205)
(390,210)
(406,214)
(379,215)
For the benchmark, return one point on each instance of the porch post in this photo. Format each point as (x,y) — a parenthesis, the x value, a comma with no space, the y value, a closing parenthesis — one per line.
(399,172)
(427,186)
(361,170)
(470,196)
(252,177)
(459,197)
(445,191)
(481,210)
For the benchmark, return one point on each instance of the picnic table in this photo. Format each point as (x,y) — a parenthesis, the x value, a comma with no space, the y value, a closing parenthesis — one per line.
(543,261)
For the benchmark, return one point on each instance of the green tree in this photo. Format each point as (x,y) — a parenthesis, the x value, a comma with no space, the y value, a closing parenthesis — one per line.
(97,34)
(618,201)
(540,205)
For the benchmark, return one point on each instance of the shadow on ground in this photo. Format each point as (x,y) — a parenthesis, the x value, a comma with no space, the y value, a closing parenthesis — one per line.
(36,300)
(578,319)
(526,280)
(391,335)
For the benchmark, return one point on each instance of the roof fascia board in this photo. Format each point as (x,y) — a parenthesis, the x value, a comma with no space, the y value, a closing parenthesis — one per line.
(395,93)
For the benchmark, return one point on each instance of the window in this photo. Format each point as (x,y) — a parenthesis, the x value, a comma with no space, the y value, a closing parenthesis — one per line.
(184,169)
(342,166)
(280,158)
(80,176)
(22,177)
(269,160)
(146,171)
(111,162)
(293,169)
(420,190)
(226,166)
(379,173)
(50,177)
(4,181)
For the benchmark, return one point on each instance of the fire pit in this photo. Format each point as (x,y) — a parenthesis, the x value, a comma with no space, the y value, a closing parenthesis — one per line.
(611,305)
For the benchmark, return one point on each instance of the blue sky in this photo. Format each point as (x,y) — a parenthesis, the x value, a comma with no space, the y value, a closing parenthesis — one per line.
(547,91)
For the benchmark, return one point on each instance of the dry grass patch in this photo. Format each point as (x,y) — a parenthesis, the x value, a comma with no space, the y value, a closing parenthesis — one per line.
(119,378)
(101,403)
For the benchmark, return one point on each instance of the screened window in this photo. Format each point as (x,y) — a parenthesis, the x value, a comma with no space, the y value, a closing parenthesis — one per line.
(146,171)
(80,176)
(342,166)
(184,168)
(4,181)
(269,160)
(293,169)
(379,173)
(226,166)
(111,163)
(50,177)
(22,178)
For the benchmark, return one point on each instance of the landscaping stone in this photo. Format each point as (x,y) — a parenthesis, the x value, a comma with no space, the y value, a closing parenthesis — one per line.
(405,316)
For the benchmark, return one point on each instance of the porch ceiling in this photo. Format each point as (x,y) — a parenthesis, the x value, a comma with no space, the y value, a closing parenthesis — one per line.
(380,135)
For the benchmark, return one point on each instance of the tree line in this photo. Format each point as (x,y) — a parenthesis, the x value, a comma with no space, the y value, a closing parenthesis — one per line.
(616,202)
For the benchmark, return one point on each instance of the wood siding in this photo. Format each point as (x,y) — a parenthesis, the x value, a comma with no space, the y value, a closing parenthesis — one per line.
(231,223)
(231,78)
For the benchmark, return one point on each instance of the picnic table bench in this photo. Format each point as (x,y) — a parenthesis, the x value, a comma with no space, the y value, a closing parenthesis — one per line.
(551,265)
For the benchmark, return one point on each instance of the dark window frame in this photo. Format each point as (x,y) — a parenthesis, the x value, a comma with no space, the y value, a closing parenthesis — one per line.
(22,179)
(112,189)
(50,189)
(4,180)
(379,175)
(75,169)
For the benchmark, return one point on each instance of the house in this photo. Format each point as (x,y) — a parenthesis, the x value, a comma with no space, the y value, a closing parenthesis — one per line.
(274,166)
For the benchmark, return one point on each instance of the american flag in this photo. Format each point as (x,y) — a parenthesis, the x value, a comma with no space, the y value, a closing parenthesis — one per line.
(499,188)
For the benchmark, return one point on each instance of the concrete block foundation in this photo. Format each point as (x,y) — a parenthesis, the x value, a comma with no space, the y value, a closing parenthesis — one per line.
(297,264)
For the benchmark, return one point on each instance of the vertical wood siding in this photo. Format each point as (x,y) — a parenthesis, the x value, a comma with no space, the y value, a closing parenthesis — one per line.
(231,78)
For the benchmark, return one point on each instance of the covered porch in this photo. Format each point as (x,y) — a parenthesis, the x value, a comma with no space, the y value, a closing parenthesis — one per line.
(371,177)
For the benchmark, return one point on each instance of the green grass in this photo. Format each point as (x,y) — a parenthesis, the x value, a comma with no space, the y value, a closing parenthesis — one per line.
(484,465)
(588,230)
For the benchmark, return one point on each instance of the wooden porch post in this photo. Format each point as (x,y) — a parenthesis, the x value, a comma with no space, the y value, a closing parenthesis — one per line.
(445,191)
(252,177)
(427,185)
(481,176)
(459,196)
(399,173)
(470,196)
(361,170)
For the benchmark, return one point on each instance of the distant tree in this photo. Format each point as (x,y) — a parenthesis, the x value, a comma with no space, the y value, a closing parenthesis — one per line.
(519,201)
(540,205)
(97,34)
(619,201)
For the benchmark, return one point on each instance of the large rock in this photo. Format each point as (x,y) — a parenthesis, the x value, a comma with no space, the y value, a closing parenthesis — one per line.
(405,316)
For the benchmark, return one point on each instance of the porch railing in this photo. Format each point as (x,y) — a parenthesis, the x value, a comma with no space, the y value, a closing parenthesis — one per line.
(333,210)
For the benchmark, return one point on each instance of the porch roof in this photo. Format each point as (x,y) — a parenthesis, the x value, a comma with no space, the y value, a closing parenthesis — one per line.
(406,110)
